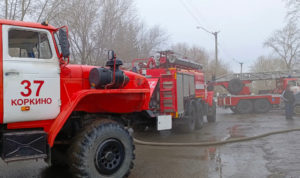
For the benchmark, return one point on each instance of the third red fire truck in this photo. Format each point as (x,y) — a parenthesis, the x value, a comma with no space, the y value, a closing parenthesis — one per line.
(241,100)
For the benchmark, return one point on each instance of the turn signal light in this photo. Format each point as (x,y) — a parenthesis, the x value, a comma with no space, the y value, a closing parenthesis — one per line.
(25,108)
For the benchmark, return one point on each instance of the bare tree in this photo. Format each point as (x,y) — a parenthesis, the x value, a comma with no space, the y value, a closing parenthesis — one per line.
(81,18)
(293,9)
(151,40)
(266,64)
(120,29)
(94,26)
(48,10)
(24,8)
(194,53)
(201,56)
(11,9)
(286,44)
(31,10)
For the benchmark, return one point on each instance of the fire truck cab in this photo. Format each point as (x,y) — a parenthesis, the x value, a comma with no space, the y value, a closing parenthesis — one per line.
(52,110)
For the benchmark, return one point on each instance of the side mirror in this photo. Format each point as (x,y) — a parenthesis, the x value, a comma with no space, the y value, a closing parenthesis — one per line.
(111,55)
(64,43)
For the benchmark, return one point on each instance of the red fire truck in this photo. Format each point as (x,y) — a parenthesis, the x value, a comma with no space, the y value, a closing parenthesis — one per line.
(241,100)
(178,90)
(49,107)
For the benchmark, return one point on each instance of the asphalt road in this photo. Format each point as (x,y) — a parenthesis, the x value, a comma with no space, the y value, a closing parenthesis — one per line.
(275,156)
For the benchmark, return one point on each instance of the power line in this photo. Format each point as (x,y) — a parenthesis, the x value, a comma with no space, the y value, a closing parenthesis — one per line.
(201,27)
(229,55)
(193,6)
(194,17)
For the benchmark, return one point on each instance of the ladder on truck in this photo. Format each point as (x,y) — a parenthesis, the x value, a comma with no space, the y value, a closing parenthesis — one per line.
(167,94)
(260,76)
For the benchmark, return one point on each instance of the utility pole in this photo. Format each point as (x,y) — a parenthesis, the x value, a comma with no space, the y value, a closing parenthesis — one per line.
(216,51)
(241,63)
(241,75)
(216,47)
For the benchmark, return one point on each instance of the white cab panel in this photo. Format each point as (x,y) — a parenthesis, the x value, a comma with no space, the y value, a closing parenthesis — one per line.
(28,82)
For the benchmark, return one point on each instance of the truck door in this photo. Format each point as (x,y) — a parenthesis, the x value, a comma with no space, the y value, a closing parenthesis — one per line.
(31,75)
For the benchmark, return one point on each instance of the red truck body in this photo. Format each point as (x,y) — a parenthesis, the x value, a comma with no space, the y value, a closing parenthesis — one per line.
(45,102)
(176,85)
(77,95)
(242,100)
(167,79)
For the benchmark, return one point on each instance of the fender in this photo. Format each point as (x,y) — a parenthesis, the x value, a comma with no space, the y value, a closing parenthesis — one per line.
(83,94)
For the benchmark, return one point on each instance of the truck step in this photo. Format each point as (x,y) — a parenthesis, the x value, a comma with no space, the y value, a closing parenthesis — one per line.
(22,145)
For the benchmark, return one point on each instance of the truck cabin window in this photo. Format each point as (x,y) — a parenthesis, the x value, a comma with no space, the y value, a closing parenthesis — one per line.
(29,44)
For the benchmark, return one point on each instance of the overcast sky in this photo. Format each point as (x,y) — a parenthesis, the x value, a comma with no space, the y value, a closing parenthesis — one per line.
(243,24)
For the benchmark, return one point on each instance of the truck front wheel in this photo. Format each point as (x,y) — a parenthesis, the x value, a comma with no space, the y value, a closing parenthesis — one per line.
(102,150)
(190,117)
(199,118)
(297,109)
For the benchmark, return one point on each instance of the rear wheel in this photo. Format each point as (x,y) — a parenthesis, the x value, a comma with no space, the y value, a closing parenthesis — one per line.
(262,106)
(190,117)
(102,150)
(212,112)
(297,109)
(245,106)
(199,118)
(233,109)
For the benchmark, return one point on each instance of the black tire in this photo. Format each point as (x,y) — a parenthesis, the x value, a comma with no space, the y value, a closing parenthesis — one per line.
(235,86)
(297,109)
(199,118)
(190,118)
(59,156)
(244,106)
(212,113)
(234,110)
(262,106)
(102,149)
(210,87)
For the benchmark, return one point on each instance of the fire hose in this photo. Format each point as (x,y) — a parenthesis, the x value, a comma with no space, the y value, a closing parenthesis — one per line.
(215,143)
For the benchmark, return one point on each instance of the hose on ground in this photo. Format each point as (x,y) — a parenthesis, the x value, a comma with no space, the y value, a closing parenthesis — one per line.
(200,144)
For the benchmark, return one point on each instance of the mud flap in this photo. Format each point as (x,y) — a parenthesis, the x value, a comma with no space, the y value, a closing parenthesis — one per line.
(164,122)
(23,145)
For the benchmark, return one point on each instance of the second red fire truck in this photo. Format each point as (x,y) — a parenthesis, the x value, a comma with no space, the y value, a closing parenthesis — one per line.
(178,90)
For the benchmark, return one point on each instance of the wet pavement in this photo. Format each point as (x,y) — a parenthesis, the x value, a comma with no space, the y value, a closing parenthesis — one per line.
(275,156)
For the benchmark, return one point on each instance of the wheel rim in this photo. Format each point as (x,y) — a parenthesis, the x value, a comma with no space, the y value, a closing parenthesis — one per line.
(109,156)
